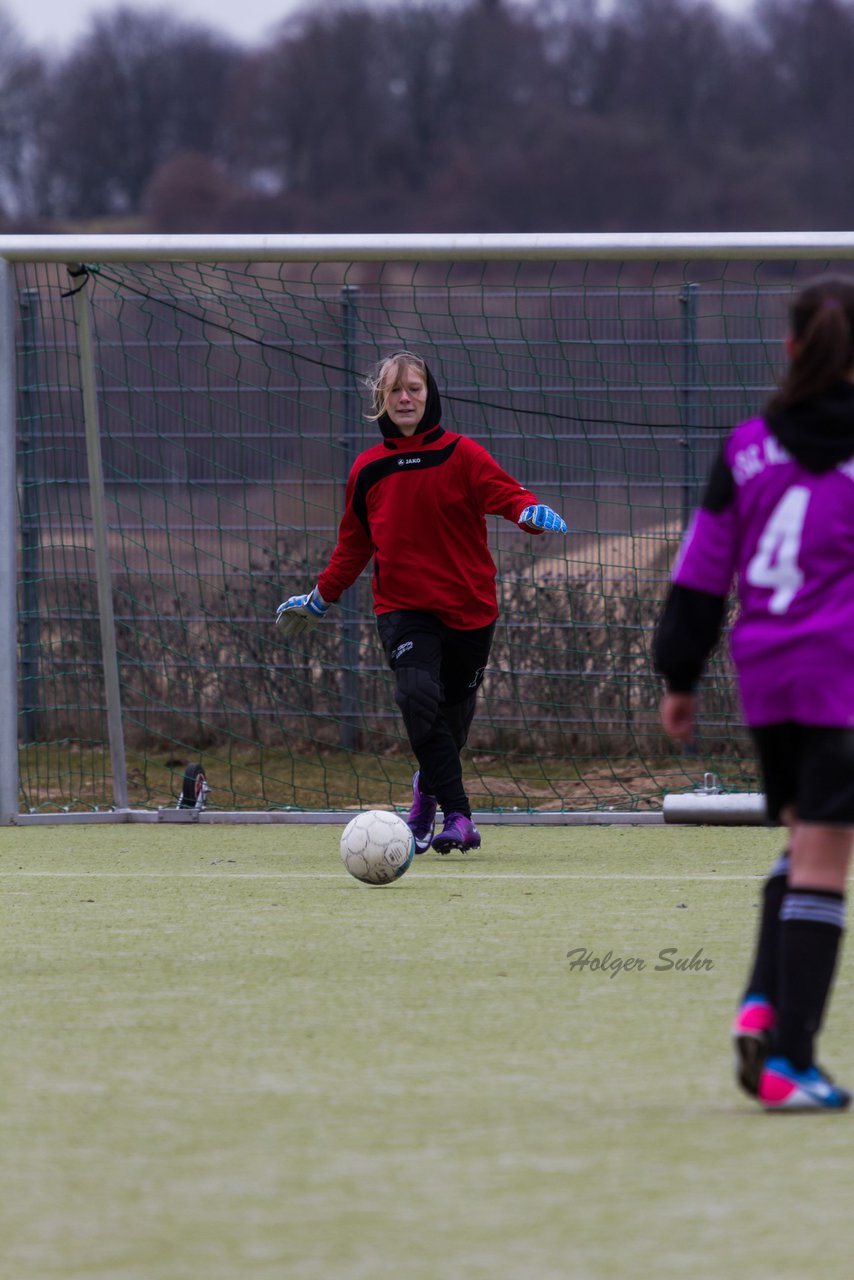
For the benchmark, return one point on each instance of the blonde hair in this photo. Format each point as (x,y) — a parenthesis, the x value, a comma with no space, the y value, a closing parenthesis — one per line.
(388,374)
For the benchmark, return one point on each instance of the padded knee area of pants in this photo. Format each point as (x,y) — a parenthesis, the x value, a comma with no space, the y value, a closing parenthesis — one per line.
(418,698)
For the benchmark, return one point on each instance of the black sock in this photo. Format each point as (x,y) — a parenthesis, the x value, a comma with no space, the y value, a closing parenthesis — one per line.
(811,925)
(763,978)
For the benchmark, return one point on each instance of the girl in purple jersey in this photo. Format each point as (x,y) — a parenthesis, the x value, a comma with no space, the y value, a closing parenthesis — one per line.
(778,518)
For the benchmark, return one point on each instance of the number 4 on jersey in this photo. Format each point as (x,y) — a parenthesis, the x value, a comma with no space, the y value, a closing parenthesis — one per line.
(775,563)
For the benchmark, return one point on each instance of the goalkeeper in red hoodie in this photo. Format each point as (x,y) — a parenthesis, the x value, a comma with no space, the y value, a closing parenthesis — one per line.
(416,503)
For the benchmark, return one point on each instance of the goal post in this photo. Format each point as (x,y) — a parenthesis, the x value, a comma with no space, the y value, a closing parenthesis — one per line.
(177,419)
(9,802)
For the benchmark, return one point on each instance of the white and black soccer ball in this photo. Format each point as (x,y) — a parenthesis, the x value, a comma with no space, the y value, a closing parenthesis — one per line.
(377,847)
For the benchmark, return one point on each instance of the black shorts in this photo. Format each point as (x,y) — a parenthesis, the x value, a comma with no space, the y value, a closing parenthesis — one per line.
(456,659)
(810,768)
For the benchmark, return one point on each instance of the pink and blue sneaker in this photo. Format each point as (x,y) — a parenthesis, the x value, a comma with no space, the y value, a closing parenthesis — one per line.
(783,1088)
(422,816)
(751,1036)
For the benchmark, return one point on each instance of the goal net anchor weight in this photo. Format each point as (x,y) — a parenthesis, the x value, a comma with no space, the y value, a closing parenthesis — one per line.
(193,798)
(710,805)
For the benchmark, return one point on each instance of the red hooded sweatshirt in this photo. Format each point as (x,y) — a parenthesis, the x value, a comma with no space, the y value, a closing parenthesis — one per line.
(418,506)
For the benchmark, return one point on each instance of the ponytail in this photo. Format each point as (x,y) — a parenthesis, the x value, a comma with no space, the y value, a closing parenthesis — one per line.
(822,326)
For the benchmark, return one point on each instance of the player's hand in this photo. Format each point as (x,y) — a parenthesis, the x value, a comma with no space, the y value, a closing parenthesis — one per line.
(301,613)
(541,519)
(677,715)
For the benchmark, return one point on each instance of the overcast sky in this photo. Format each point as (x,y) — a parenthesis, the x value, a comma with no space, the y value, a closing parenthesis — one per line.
(57,23)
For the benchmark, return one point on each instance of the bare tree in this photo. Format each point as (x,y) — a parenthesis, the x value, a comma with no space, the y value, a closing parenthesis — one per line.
(22,75)
(359,111)
(313,110)
(137,89)
(187,193)
(443,114)
(667,61)
(809,52)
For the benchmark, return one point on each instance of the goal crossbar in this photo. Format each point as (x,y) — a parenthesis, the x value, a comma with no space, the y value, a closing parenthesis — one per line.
(546,246)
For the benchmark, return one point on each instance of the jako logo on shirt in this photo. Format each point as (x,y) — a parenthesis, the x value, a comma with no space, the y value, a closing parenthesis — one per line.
(402,649)
(408,462)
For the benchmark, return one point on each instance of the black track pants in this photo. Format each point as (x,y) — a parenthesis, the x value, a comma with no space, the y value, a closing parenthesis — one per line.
(438,672)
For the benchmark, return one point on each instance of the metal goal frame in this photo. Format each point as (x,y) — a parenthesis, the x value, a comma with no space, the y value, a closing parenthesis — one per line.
(77,250)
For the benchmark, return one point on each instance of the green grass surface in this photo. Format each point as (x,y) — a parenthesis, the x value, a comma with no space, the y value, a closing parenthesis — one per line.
(221,1058)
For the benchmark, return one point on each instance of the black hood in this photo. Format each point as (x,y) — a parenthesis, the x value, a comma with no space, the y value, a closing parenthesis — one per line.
(432,412)
(819,434)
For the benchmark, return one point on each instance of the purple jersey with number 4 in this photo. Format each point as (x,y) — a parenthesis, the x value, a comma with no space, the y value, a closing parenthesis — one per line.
(787,535)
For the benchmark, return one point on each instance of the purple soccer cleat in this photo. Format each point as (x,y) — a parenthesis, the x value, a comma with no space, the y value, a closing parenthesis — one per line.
(459,832)
(422,816)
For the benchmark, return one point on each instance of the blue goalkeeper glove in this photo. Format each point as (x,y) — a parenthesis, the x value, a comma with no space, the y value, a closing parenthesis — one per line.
(541,519)
(301,613)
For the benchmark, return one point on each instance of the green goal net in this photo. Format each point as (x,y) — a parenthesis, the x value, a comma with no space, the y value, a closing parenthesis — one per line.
(230,403)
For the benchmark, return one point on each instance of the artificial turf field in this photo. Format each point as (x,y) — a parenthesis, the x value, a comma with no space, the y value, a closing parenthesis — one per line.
(224,1059)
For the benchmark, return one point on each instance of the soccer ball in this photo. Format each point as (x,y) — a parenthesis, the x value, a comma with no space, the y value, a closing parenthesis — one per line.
(377,847)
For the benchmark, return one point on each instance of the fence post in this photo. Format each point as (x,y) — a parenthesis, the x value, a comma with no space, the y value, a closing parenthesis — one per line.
(109,651)
(688,419)
(351,613)
(28,303)
(9,775)
(688,399)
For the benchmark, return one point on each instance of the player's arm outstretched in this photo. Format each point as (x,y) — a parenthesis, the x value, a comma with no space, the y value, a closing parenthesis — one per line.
(501,495)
